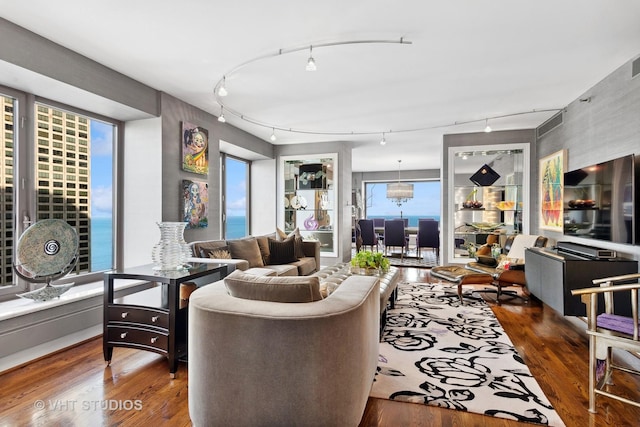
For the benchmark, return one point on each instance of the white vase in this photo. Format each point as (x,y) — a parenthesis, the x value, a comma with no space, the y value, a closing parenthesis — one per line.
(171,252)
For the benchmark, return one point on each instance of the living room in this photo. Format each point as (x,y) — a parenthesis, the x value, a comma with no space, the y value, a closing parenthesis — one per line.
(599,122)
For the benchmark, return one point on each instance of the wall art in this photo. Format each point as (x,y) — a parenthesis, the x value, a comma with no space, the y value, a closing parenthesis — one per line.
(195,149)
(195,197)
(552,169)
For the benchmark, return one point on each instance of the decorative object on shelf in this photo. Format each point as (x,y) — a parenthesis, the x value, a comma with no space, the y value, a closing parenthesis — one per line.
(286,202)
(399,192)
(172,251)
(485,226)
(311,223)
(471,202)
(195,197)
(485,176)
(369,263)
(195,144)
(506,205)
(311,176)
(46,251)
(552,169)
(582,204)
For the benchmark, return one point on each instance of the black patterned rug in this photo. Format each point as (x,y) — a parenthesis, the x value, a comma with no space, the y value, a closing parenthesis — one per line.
(438,352)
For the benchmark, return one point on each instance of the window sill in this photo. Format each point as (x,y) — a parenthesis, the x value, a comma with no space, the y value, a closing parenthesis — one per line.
(20,306)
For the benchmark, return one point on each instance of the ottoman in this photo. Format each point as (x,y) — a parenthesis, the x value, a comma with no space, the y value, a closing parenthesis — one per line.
(461,276)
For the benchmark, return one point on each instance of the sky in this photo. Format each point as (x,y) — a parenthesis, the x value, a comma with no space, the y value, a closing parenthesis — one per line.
(101,169)
(236,187)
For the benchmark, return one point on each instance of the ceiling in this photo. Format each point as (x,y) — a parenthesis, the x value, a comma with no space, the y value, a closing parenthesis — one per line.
(468,61)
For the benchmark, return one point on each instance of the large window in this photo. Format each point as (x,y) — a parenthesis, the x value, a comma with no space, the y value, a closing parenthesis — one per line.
(235,197)
(424,204)
(66,172)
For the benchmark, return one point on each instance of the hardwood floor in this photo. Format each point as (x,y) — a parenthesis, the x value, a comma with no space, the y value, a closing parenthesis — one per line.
(74,388)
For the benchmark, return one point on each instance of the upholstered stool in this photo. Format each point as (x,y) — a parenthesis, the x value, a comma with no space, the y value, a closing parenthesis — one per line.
(461,276)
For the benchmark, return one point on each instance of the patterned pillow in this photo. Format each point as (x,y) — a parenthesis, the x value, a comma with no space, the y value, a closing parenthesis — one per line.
(220,254)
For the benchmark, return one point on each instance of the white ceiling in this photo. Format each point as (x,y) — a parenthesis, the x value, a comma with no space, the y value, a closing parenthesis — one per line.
(469,60)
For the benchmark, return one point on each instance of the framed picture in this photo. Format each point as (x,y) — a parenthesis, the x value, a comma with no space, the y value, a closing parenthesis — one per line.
(195,199)
(195,149)
(551,191)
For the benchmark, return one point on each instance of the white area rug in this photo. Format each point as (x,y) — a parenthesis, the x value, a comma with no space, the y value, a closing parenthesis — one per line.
(437,352)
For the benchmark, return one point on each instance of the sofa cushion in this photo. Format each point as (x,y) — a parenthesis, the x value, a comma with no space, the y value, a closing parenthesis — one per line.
(246,249)
(276,289)
(282,252)
(306,265)
(284,269)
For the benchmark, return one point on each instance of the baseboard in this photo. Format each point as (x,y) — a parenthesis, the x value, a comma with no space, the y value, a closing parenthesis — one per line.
(16,360)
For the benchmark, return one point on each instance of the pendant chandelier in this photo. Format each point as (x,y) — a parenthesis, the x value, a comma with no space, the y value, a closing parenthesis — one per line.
(399,192)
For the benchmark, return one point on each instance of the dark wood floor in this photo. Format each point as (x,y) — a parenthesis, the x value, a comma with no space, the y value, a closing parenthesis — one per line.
(72,387)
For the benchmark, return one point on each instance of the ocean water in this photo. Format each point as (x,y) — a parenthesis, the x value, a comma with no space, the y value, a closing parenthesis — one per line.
(101,244)
(413,219)
(236,227)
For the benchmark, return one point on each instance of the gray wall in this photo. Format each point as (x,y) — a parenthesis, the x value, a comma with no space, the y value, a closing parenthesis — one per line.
(605,127)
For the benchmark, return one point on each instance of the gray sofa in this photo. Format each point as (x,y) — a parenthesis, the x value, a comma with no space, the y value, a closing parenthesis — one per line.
(264,363)
(253,252)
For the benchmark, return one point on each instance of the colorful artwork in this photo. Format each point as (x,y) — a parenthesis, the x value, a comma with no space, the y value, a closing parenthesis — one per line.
(195,153)
(196,203)
(551,191)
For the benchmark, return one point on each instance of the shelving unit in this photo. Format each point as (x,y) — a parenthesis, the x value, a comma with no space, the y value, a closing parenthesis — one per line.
(309,200)
(500,205)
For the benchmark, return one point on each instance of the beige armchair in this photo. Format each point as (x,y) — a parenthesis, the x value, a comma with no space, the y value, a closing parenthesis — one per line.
(608,330)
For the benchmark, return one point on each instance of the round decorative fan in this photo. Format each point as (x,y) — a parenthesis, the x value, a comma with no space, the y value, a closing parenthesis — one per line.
(46,251)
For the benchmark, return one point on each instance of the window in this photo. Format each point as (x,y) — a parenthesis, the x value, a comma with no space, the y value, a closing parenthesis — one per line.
(89,211)
(235,219)
(424,204)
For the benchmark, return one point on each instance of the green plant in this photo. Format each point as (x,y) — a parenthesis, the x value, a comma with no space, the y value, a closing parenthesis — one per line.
(369,259)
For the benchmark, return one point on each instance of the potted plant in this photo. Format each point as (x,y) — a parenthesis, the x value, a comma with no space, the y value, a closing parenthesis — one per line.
(369,263)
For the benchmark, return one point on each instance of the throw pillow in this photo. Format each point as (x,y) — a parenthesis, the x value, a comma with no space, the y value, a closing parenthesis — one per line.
(299,247)
(246,249)
(282,252)
(273,288)
(263,243)
(202,249)
(220,254)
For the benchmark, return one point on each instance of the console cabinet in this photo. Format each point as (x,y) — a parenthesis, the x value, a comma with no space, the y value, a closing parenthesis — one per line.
(551,275)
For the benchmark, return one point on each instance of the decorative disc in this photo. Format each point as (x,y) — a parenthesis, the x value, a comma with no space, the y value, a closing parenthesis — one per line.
(47,248)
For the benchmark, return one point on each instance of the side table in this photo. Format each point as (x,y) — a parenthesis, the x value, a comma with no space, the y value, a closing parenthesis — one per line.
(153,319)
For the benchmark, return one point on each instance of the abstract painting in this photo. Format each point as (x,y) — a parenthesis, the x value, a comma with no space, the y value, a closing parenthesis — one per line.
(552,169)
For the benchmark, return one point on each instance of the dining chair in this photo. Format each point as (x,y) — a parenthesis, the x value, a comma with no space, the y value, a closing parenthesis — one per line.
(608,330)
(379,223)
(394,235)
(368,233)
(428,236)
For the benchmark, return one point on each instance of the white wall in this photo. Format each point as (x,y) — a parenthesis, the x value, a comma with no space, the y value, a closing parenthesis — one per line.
(263,197)
(142,189)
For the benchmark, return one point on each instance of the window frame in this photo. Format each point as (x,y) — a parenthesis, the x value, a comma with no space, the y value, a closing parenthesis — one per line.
(25,173)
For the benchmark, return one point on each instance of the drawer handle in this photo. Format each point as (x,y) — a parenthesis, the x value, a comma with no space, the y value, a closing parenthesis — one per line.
(154,318)
(124,314)
(123,335)
(153,340)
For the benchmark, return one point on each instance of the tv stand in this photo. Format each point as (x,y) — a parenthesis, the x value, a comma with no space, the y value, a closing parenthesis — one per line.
(552,273)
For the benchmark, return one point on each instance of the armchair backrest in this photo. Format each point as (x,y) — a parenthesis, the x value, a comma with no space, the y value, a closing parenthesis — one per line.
(516,244)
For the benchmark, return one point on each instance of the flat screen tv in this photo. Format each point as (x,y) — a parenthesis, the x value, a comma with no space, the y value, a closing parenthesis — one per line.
(601,201)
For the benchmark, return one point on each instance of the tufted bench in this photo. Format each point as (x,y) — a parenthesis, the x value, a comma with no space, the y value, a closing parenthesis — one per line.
(337,273)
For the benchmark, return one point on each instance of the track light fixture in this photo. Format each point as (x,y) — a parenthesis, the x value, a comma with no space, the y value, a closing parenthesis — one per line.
(273,134)
(222,90)
(487,128)
(383,141)
(311,63)
(221,118)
